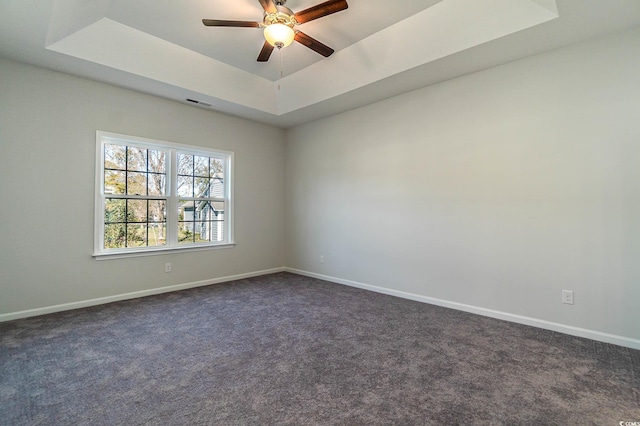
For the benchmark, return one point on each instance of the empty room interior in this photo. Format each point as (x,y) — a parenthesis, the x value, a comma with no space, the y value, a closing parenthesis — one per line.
(300,212)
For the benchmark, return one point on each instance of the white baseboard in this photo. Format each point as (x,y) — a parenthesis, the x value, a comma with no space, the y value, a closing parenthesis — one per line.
(133,295)
(547,325)
(561,328)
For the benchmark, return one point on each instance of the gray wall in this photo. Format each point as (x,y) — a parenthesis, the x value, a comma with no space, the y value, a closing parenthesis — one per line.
(494,190)
(48,122)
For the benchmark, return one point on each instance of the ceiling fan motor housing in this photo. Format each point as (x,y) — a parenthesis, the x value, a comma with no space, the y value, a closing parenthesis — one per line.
(284,16)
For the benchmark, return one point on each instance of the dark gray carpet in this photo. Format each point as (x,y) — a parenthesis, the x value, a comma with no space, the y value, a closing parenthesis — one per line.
(286,349)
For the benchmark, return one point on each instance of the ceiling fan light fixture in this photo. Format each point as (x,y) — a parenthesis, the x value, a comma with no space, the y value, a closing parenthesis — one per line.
(279,35)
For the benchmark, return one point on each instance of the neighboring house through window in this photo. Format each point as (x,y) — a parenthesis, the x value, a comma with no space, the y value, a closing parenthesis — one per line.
(155,196)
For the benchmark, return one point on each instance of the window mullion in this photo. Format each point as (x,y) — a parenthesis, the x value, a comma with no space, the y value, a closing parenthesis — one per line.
(172,199)
(228,199)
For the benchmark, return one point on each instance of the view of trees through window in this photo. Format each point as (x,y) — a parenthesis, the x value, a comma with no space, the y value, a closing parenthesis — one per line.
(136,214)
(137,182)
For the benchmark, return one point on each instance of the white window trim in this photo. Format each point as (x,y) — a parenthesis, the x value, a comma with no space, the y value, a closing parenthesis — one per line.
(100,253)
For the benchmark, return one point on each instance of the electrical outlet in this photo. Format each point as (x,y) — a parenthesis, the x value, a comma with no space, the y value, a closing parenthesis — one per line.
(567,297)
(322,258)
(167,267)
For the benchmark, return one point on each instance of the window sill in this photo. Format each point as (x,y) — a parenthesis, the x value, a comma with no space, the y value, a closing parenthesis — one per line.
(121,254)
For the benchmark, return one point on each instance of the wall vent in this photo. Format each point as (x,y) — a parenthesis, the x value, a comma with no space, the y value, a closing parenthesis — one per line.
(193,101)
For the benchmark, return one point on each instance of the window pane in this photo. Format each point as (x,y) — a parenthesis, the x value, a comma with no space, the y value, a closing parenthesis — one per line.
(217,231)
(156,184)
(217,188)
(201,187)
(114,236)
(136,183)
(185,233)
(218,209)
(185,186)
(217,225)
(204,231)
(136,235)
(157,234)
(210,231)
(156,161)
(157,211)
(185,164)
(114,211)
(114,182)
(185,216)
(185,210)
(136,210)
(136,159)
(201,165)
(217,167)
(114,157)
(202,225)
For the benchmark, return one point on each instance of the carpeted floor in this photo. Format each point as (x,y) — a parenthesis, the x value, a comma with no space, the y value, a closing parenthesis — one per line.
(286,349)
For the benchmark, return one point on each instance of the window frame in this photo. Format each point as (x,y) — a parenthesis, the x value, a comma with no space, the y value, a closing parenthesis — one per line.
(171,196)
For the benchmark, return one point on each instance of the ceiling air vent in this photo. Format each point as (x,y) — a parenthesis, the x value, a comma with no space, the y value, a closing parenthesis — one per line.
(193,101)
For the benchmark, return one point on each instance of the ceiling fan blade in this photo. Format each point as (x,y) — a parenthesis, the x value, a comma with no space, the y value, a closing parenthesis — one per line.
(265,53)
(222,23)
(323,9)
(313,44)
(268,5)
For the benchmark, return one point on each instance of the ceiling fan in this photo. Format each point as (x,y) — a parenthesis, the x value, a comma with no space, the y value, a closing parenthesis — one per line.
(279,25)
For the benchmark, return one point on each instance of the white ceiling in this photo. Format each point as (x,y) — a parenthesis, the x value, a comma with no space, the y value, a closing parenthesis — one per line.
(383,48)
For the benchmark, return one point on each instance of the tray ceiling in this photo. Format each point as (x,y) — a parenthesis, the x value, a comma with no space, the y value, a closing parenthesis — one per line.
(382,48)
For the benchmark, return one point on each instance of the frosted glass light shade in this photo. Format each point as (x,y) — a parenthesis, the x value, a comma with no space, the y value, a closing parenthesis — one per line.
(279,33)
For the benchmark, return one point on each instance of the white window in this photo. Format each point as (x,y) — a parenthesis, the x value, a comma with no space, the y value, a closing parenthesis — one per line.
(154,196)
